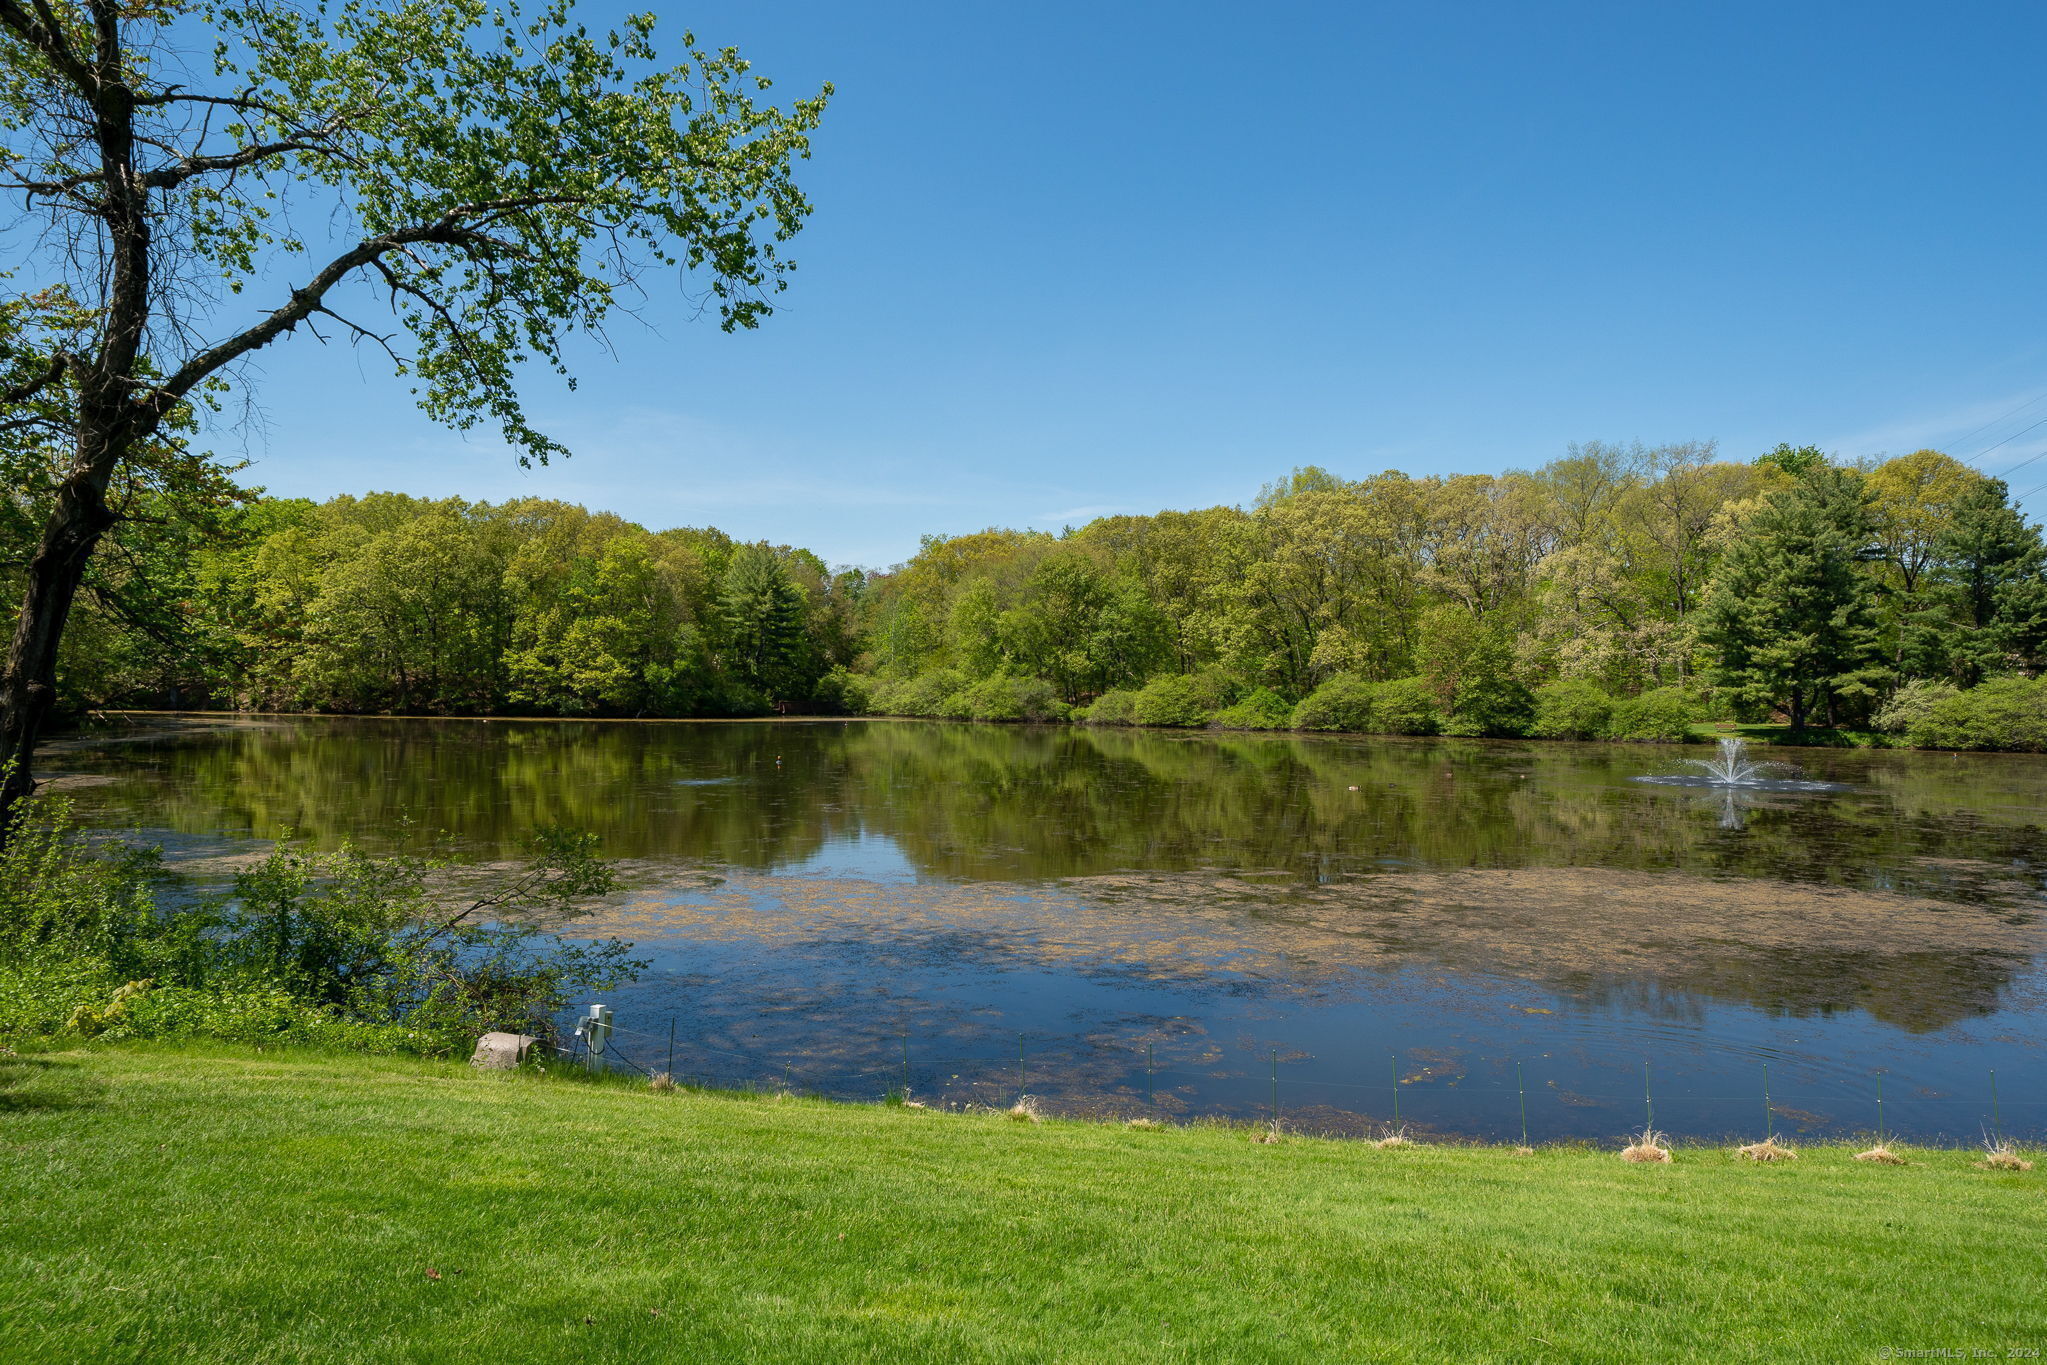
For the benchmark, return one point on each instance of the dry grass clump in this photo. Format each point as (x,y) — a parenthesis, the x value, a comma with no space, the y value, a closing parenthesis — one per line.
(1524,1151)
(1647,1145)
(661,1081)
(1144,1124)
(1880,1155)
(1025,1110)
(1269,1134)
(1395,1137)
(1767,1150)
(1999,1155)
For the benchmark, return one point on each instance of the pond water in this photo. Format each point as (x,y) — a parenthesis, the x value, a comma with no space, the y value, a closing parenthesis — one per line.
(1193,924)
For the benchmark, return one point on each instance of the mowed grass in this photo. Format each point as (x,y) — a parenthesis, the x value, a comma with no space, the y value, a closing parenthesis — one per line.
(229,1205)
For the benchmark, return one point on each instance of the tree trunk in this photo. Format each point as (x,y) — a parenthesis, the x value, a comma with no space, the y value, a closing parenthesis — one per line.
(29,687)
(1797,710)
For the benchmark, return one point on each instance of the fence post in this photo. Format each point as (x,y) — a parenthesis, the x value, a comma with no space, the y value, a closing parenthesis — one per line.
(1275,1088)
(1022,1080)
(1147,1073)
(669,1070)
(1522,1087)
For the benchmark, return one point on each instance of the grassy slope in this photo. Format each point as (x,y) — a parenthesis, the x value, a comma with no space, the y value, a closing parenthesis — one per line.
(234,1206)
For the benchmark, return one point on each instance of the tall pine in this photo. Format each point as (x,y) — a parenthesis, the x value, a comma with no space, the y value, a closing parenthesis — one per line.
(766,643)
(1990,574)
(1791,613)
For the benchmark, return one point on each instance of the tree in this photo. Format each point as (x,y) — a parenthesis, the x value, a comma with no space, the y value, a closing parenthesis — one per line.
(1791,612)
(499,180)
(1797,461)
(764,623)
(1990,569)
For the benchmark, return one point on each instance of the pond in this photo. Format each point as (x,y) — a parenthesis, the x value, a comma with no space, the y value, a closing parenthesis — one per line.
(1196,923)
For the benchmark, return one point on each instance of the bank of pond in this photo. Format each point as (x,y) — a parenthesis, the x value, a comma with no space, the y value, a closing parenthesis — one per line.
(2008,713)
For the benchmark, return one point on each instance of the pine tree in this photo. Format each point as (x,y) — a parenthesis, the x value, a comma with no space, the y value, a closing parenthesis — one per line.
(1791,612)
(764,622)
(1991,576)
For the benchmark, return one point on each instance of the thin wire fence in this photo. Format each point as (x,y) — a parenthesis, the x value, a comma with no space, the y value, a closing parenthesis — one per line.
(1083,1077)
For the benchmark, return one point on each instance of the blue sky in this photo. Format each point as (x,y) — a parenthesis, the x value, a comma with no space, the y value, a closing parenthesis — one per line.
(1070,259)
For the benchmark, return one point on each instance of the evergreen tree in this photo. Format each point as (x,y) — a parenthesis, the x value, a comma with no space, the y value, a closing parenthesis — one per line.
(764,623)
(1991,576)
(1791,613)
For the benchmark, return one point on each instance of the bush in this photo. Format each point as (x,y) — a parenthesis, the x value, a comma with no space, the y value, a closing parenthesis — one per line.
(2004,713)
(1172,700)
(842,692)
(1574,709)
(1911,706)
(1405,706)
(1496,707)
(1344,702)
(1115,707)
(1003,697)
(924,695)
(390,954)
(1662,715)
(1261,709)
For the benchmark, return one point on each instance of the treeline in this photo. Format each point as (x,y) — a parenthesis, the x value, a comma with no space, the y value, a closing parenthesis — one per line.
(388,603)
(1617,592)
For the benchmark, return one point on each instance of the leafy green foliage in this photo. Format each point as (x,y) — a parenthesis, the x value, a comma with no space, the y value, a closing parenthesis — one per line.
(390,953)
(1911,706)
(1663,715)
(1004,697)
(1344,703)
(764,621)
(1406,706)
(1260,709)
(1792,616)
(1115,707)
(1173,700)
(2004,713)
(1572,709)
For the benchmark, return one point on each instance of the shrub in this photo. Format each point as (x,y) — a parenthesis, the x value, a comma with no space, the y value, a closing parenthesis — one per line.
(1171,700)
(2004,713)
(1496,707)
(1261,709)
(924,695)
(1344,702)
(1405,706)
(843,692)
(395,953)
(1215,688)
(1003,697)
(1911,706)
(1574,709)
(1115,707)
(1662,715)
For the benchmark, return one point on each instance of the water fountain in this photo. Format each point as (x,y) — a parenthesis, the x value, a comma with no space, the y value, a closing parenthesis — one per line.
(1733,768)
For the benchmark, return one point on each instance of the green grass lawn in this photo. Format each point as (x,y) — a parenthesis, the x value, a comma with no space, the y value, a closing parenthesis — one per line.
(229,1205)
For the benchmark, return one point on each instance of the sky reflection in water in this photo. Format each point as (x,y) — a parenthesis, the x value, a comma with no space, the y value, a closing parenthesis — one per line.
(814,895)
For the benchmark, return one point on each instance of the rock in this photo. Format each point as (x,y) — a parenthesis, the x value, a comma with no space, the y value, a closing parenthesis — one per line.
(502,1051)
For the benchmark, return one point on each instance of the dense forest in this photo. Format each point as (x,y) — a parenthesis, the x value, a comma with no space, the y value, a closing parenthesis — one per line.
(1616,592)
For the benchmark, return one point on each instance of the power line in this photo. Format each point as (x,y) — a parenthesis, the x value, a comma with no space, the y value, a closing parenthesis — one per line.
(2002,473)
(2013,437)
(2007,417)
